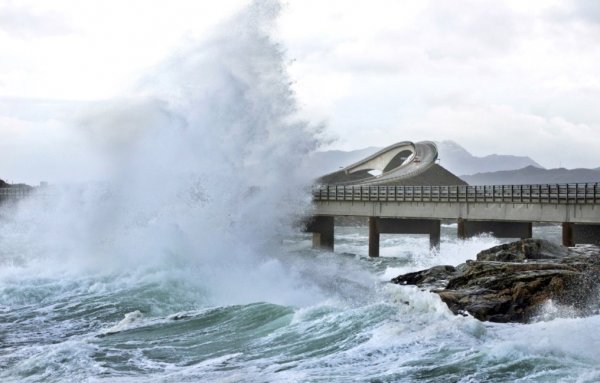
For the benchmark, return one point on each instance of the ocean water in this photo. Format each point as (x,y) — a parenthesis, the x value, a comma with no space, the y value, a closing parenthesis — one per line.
(184,263)
(316,317)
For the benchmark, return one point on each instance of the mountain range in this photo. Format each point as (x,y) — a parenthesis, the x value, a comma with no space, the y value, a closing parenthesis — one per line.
(459,161)
(532,175)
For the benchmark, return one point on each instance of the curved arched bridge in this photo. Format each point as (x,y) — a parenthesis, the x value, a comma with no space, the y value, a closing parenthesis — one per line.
(399,161)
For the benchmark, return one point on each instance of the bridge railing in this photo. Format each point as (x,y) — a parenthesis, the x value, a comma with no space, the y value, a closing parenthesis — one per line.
(580,193)
(15,191)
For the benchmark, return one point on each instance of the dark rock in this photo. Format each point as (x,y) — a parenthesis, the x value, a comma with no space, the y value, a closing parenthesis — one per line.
(522,250)
(508,292)
(436,276)
(508,283)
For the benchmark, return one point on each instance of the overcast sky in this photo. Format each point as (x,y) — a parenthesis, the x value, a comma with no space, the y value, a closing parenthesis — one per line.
(509,77)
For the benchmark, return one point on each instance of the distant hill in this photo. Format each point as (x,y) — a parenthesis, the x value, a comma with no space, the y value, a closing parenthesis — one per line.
(458,160)
(3,184)
(534,175)
(453,157)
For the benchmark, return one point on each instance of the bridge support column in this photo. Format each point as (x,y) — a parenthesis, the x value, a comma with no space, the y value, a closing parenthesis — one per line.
(574,233)
(373,237)
(460,231)
(322,229)
(567,234)
(435,235)
(499,229)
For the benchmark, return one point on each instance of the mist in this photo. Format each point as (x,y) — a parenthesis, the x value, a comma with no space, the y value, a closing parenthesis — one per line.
(200,168)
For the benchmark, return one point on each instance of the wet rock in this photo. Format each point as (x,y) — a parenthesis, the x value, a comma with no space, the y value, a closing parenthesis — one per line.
(509,283)
(436,276)
(522,250)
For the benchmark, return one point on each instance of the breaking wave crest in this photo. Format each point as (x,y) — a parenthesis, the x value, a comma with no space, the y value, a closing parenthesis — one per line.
(203,170)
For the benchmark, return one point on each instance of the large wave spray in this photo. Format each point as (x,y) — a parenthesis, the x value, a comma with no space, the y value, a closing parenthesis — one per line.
(176,267)
(205,170)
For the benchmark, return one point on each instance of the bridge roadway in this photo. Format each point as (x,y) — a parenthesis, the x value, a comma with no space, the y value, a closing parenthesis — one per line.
(14,192)
(424,155)
(506,211)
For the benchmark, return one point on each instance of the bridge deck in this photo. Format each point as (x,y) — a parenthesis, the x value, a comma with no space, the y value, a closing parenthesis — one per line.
(15,192)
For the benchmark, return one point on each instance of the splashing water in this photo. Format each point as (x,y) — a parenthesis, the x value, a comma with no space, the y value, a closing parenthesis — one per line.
(205,165)
(182,266)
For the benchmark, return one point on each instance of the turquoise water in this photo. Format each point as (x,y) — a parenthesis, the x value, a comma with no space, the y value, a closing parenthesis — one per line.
(181,266)
(348,324)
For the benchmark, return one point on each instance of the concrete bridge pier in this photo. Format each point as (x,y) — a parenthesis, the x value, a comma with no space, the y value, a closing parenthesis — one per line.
(567,234)
(379,226)
(574,233)
(373,237)
(321,228)
(499,229)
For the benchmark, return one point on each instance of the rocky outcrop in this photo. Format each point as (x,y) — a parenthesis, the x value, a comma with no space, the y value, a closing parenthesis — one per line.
(437,276)
(509,283)
(520,251)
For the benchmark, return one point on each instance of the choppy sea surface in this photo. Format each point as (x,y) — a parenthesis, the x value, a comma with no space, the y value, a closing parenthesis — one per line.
(173,324)
(180,266)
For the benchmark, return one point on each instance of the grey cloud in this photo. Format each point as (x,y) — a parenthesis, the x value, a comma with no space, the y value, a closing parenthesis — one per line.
(468,29)
(580,106)
(457,31)
(588,10)
(21,22)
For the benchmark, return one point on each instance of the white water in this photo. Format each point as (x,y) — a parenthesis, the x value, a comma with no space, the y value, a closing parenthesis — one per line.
(205,164)
(183,265)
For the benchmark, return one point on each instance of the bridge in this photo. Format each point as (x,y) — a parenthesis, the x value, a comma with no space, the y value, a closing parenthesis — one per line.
(14,192)
(505,211)
(411,159)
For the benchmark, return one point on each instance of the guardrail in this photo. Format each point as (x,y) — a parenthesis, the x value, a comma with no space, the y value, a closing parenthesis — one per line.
(588,193)
(15,192)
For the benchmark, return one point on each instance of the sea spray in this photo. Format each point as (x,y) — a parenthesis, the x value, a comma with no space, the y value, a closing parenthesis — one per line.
(205,162)
(172,269)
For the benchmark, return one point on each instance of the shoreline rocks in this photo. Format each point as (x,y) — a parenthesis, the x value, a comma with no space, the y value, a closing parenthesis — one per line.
(510,282)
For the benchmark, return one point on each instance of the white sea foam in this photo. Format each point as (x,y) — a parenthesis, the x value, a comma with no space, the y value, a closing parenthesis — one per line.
(452,251)
(127,322)
(574,337)
(204,163)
